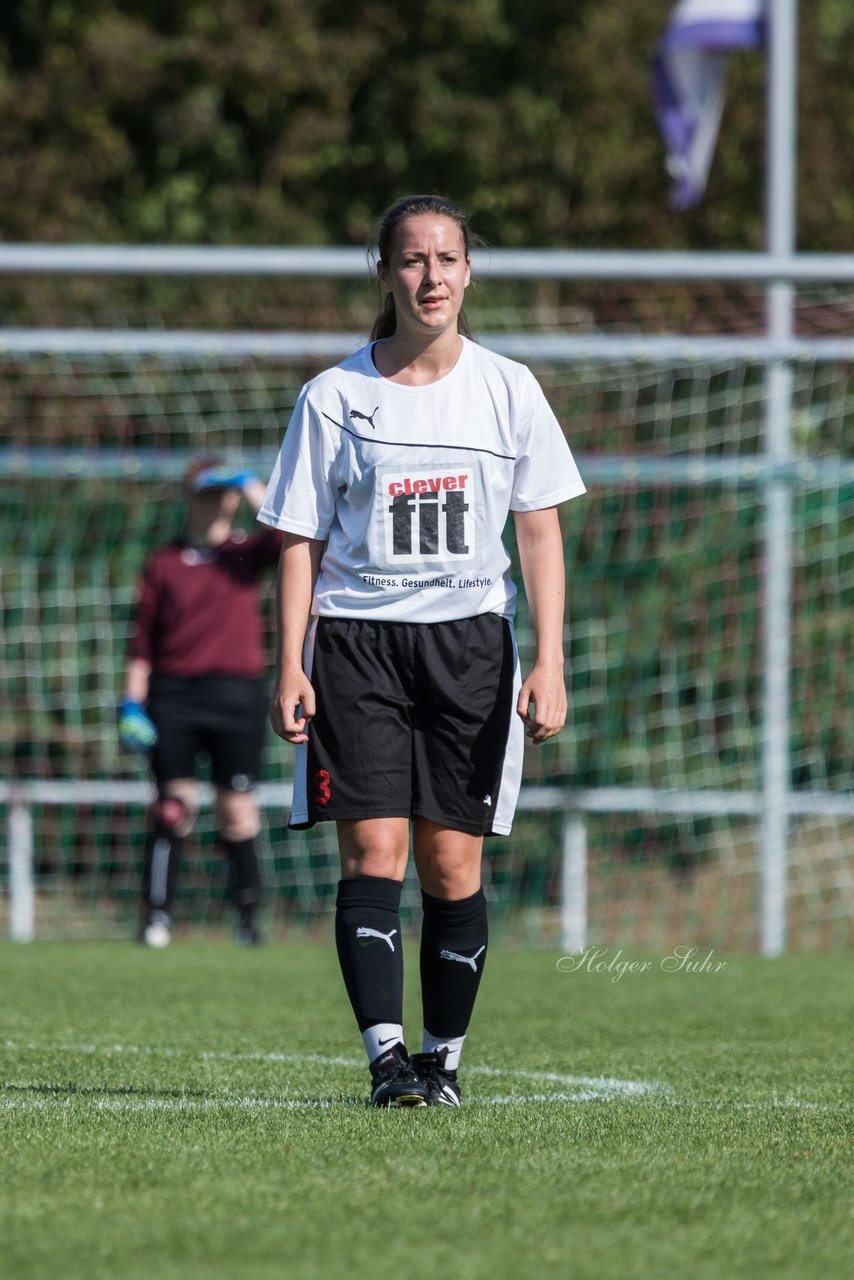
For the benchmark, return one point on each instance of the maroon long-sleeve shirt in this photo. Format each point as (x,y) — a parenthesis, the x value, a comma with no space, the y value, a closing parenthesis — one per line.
(198,610)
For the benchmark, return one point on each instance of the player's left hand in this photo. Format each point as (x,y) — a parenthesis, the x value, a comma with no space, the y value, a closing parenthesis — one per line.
(223,477)
(542,703)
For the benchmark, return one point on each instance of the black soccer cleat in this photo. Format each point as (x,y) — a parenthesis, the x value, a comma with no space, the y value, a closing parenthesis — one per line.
(247,933)
(395,1084)
(442,1084)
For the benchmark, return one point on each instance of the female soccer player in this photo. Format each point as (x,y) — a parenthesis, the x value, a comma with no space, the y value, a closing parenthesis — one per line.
(194,683)
(398,676)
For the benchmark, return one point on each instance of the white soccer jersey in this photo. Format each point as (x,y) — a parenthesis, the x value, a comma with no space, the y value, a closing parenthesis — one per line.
(411,486)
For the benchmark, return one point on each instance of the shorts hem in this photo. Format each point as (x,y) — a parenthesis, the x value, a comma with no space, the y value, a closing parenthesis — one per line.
(304,822)
(301,822)
(456,824)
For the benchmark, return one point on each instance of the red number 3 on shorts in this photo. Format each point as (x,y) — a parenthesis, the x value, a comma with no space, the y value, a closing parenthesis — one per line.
(323,793)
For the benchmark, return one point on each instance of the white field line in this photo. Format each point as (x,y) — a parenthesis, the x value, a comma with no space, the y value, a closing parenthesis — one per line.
(598,1086)
(576,1089)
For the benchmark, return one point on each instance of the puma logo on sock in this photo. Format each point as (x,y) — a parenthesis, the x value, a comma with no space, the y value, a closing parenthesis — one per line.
(469,960)
(364,932)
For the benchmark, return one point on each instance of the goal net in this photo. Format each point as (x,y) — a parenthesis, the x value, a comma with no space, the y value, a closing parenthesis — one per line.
(665,559)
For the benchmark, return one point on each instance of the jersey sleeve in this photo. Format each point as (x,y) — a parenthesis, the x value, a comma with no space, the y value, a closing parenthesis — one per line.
(545,473)
(140,643)
(302,490)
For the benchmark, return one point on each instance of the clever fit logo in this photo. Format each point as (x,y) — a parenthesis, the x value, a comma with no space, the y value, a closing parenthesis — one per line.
(429,515)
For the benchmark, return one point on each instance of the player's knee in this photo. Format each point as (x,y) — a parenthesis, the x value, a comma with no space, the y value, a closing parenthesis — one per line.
(386,861)
(237,817)
(243,829)
(450,866)
(173,813)
(451,880)
(373,847)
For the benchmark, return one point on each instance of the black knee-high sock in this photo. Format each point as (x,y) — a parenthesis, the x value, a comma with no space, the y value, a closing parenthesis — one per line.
(163,852)
(454,936)
(367,935)
(244,878)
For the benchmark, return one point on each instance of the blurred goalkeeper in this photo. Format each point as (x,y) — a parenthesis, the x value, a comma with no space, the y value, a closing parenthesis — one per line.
(194,684)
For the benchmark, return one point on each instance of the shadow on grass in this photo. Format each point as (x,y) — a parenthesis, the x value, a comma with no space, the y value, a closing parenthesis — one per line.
(103,1093)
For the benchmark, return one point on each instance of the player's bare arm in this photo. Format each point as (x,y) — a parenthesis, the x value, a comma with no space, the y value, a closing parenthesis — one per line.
(542,698)
(253,491)
(137,679)
(293,699)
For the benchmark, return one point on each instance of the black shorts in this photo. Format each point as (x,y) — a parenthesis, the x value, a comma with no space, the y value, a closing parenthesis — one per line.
(413,719)
(223,717)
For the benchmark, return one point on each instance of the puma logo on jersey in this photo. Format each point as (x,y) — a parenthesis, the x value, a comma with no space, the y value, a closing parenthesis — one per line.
(366,417)
(364,932)
(469,960)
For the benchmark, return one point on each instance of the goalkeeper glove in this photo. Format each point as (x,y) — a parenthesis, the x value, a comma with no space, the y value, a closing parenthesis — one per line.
(224,477)
(136,731)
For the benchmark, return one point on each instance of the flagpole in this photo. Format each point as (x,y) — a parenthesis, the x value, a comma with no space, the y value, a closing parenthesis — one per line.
(780,224)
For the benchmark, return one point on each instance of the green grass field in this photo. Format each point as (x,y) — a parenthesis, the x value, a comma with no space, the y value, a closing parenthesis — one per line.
(200,1112)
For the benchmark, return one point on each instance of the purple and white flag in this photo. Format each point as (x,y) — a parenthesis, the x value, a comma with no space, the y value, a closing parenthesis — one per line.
(688,76)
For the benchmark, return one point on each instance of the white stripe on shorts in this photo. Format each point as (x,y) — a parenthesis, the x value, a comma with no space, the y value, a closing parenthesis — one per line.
(511,770)
(299,804)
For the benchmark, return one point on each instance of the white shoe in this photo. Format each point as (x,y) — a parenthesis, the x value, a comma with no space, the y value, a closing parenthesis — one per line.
(157,932)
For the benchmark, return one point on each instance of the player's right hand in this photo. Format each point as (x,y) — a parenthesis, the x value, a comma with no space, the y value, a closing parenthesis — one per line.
(293,707)
(136,732)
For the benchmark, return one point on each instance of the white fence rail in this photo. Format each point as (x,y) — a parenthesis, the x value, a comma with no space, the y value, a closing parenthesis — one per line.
(345,262)
(20,798)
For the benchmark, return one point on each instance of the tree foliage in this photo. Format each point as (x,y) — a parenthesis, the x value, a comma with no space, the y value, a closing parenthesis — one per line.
(279,121)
